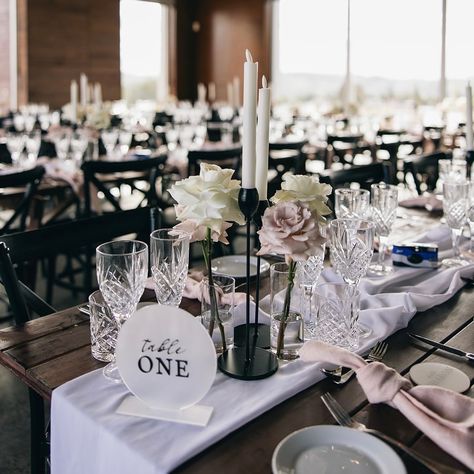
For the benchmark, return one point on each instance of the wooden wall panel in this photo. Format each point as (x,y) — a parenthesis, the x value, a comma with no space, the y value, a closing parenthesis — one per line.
(216,51)
(67,37)
(4,55)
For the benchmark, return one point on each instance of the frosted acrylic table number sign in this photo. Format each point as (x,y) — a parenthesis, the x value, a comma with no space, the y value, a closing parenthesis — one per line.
(168,362)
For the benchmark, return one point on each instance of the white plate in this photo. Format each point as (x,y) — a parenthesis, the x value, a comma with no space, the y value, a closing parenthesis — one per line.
(235,266)
(334,449)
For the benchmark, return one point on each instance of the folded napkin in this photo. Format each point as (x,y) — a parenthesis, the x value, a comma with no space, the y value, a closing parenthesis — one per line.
(444,416)
(194,289)
(430,202)
(63,171)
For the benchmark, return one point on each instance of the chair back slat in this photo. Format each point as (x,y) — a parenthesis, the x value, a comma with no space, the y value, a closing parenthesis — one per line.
(94,168)
(227,157)
(30,180)
(12,287)
(66,237)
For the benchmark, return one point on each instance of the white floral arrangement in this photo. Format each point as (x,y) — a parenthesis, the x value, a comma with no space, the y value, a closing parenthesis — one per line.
(95,116)
(207,205)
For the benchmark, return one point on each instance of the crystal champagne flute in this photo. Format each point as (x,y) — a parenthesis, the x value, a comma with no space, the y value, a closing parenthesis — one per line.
(455,208)
(384,199)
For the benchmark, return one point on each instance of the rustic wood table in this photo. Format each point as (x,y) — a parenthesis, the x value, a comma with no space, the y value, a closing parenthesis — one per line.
(55,349)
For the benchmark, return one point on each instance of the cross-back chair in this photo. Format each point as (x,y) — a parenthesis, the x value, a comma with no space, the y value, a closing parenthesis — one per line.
(28,179)
(22,247)
(224,157)
(104,175)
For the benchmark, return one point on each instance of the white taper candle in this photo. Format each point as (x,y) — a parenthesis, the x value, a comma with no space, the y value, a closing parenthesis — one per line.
(263,126)
(84,90)
(211,92)
(469,137)
(249,122)
(230,94)
(73,100)
(97,93)
(236,93)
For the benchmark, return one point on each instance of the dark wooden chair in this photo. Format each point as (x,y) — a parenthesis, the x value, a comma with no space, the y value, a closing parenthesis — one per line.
(5,155)
(365,176)
(285,156)
(29,180)
(104,175)
(46,242)
(424,169)
(345,144)
(224,157)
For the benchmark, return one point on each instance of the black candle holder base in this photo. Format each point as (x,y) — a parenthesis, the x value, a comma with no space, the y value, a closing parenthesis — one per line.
(263,335)
(234,363)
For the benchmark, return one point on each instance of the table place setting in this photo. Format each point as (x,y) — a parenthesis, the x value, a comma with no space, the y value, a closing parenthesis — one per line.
(176,384)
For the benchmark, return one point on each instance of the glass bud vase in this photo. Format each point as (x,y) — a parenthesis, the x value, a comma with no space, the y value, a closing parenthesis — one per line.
(287,325)
(219,322)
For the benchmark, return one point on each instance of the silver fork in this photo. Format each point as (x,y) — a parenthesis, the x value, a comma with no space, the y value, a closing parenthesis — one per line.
(375,355)
(343,418)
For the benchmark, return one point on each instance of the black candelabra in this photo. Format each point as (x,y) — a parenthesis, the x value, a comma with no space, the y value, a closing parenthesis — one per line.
(248,361)
(259,333)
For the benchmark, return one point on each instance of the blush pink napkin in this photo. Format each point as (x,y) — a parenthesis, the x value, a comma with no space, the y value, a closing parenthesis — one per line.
(443,415)
(193,289)
(430,202)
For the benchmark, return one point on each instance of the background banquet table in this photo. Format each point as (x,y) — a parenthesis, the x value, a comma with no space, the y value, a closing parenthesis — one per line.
(55,349)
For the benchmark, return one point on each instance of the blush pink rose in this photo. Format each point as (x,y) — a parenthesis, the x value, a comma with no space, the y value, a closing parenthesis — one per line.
(198,232)
(290,229)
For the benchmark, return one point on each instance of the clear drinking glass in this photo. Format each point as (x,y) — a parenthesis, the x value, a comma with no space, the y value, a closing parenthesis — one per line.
(78,147)
(62,145)
(169,265)
(33,143)
(384,210)
(455,208)
(122,268)
(223,325)
(351,203)
(452,170)
(110,137)
(125,138)
(286,335)
(104,328)
(307,276)
(15,145)
(337,313)
(470,217)
(352,247)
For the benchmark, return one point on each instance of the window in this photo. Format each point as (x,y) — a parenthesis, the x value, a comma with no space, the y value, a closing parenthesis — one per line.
(459,45)
(143,45)
(394,48)
(310,54)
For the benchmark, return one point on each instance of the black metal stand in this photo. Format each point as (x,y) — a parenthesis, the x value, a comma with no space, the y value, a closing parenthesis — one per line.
(248,363)
(259,333)
(469,162)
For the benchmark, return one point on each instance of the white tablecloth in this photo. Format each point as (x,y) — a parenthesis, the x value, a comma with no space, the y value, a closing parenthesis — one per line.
(88,437)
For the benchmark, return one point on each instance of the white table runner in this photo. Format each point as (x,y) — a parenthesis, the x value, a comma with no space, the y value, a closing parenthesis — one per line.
(87,436)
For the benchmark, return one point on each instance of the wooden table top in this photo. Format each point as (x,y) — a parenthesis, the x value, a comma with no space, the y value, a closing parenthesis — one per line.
(52,350)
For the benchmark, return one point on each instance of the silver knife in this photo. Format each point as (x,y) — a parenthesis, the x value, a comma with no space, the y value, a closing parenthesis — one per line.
(467,355)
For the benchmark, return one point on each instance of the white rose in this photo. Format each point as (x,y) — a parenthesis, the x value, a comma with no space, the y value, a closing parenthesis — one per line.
(208,199)
(305,189)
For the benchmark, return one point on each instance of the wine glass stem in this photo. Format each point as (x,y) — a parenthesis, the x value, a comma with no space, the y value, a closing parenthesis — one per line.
(456,236)
(308,293)
(382,246)
(471,229)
